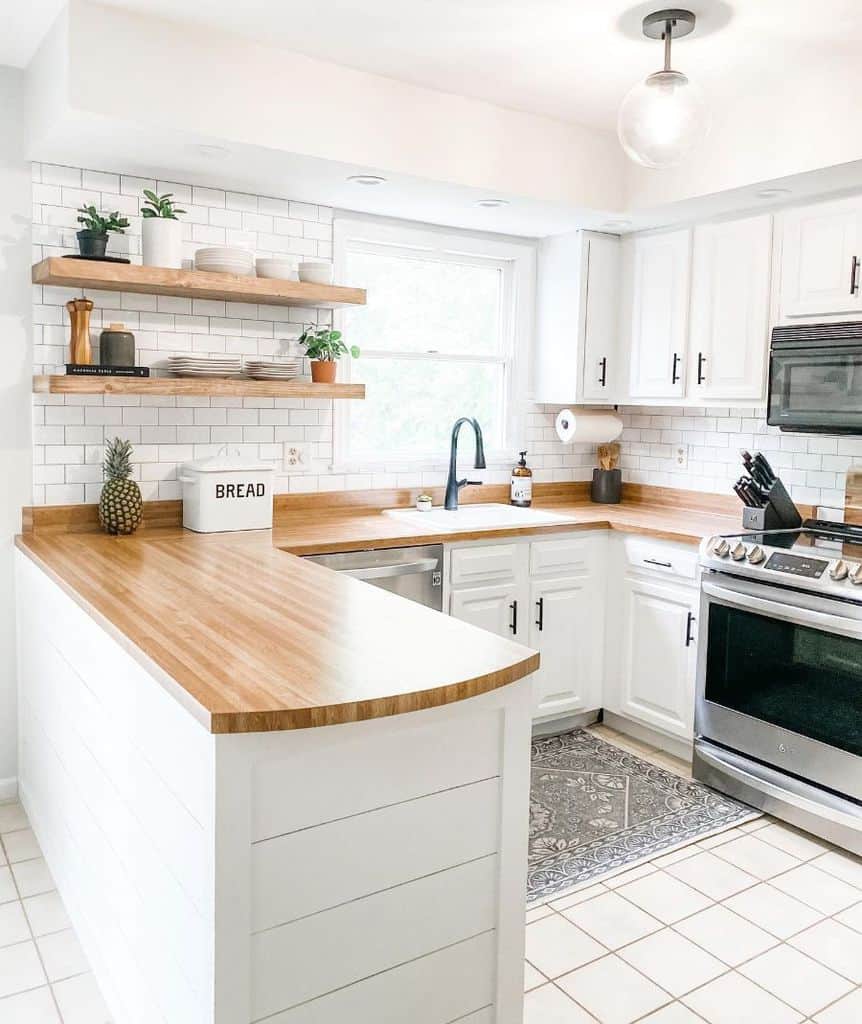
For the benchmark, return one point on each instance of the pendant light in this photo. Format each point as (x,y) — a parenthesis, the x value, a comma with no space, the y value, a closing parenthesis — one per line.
(663,117)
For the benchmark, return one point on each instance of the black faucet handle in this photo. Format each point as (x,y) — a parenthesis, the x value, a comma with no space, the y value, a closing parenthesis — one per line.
(473,483)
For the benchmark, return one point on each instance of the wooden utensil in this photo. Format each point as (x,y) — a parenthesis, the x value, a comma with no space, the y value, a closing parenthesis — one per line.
(609,456)
(81,352)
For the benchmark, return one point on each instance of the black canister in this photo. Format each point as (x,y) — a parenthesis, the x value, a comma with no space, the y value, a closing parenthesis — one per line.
(116,346)
(607,486)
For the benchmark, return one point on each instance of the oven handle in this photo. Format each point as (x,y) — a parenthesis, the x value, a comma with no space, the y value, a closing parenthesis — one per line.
(830,622)
(728,764)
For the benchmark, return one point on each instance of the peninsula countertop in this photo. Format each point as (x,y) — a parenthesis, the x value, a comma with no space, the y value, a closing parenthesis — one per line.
(250,638)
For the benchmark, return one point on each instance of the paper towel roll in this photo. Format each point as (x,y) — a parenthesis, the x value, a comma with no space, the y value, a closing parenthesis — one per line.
(587,426)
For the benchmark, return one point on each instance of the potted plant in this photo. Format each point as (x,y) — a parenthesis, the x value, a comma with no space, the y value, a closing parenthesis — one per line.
(162,232)
(93,237)
(324,348)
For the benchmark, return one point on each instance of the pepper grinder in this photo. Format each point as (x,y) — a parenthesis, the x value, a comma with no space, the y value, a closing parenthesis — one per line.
(81,351)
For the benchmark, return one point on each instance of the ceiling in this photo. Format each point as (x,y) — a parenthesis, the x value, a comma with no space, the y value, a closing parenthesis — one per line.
(24,25)
(568,59)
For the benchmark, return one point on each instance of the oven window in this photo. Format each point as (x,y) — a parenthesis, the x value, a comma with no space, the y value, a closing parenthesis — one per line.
(791,676)
(816,390)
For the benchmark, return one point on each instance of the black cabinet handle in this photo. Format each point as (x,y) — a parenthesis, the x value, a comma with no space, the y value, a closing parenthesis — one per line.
(689,638)
(603,363)
(854,275)
(701,376)
(674,375)
(540,622)
(513,625)
(655,561)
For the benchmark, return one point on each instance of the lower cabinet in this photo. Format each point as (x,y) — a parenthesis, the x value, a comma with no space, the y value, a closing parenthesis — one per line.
(566,629)
(655,662)
(494,608)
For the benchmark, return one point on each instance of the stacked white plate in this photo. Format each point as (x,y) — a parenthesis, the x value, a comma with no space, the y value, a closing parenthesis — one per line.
(202,366)
(271,369)
(222,260)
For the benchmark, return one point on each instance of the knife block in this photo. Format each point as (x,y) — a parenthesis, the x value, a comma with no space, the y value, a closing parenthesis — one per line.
(779,512)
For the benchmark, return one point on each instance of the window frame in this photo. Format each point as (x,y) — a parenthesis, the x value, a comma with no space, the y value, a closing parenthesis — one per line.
(516,258)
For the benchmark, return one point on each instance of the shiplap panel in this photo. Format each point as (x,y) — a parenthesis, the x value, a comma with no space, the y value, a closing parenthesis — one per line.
(317,955)
(436,989)
(353,772)
(367,853)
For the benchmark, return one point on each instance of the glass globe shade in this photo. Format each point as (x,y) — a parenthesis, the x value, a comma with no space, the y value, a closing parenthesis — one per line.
(661,119)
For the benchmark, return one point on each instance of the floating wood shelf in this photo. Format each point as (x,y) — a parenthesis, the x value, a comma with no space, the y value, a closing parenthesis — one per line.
(219,387)
(193,284)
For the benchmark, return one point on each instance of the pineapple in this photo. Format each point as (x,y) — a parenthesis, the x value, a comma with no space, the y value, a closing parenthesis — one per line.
(120,506)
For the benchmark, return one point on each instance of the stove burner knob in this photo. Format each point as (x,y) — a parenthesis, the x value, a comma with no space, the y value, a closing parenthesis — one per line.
(719,546)
(756,555)
(839,570)
(739,551)
(856,574)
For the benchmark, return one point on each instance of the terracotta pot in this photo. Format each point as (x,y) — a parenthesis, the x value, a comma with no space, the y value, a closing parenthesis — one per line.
(323,371)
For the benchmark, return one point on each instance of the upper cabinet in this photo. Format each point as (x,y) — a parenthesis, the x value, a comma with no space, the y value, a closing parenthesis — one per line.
(660,266)
(821,249)
(577,319)
(729,334)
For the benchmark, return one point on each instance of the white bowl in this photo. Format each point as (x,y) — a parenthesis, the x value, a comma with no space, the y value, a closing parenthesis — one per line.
(315,273)
(280,269)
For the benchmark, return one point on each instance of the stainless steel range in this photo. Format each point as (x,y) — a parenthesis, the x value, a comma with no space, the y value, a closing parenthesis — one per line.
(778,720)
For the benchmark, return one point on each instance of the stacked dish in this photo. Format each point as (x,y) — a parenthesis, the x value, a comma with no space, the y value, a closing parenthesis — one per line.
(276,267)
(221,260)
(315,272)
(273,369)
(203,366)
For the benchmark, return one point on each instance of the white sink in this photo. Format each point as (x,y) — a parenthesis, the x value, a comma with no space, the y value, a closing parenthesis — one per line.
(477,517)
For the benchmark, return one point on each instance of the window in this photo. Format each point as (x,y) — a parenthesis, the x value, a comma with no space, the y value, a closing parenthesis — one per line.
(447,317)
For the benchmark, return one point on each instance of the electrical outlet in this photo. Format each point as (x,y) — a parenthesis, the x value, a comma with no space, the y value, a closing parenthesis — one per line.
(680,456)
(297,456)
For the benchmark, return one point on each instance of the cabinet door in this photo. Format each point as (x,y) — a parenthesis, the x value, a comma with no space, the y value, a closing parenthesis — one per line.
(658,656)
(495,608)
(566,617)
(601,317)
(730,309)
(820,251)
(659,327)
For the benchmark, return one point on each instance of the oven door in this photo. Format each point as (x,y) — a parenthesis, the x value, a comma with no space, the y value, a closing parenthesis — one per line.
(816,388)
(779,680)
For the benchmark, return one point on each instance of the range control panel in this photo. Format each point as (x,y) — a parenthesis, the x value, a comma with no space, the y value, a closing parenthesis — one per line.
(797,565)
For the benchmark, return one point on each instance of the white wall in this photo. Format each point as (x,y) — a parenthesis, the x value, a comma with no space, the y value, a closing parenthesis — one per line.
(15,387)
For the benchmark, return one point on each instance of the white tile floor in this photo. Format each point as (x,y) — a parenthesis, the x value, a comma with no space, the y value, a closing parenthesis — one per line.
(759,925)
(44,977)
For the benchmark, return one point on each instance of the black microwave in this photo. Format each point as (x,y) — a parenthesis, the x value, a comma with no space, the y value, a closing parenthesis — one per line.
(815,378)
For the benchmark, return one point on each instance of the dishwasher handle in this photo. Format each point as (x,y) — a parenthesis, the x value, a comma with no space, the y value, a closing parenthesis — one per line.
(382,572)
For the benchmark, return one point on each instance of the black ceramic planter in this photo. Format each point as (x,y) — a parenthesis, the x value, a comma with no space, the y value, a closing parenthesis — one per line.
(607,486)
(91,244)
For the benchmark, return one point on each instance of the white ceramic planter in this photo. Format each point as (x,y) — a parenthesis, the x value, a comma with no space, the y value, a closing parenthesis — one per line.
(163,242)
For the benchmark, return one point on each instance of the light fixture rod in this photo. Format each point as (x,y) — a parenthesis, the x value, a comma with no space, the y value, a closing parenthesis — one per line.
(668,38)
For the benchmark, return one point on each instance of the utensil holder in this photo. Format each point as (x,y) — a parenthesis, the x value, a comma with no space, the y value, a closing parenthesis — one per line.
(607,486)
(779,513)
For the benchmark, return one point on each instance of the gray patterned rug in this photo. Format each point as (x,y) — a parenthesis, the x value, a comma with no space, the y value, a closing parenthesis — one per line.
(595,809)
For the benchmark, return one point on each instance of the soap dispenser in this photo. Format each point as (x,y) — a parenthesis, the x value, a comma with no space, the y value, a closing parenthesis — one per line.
(522,484)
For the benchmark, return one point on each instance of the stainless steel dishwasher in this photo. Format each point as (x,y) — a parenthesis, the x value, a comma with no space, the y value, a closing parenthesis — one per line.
(415,573)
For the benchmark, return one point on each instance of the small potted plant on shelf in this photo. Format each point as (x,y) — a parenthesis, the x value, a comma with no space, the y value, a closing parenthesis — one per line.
(324,348)
(93,237)
(162,232)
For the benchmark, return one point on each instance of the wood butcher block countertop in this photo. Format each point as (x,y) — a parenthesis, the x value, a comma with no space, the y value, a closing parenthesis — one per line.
(252,639)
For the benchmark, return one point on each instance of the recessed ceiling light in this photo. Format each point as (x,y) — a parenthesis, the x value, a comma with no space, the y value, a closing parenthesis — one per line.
(773,193)
(616,225)
(492,204)
(212,152)
(366,179)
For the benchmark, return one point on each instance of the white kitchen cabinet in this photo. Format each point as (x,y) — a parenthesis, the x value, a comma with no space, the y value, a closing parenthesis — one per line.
(499,608)
(566,618)
(660,269)
(729,336)
(657,644)
(821,248)
(578,319)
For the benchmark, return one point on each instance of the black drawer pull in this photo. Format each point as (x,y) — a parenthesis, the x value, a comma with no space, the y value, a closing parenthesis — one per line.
(653,561)
(689,638)
(674,373)
(603,363)
(513,625)
(540,622)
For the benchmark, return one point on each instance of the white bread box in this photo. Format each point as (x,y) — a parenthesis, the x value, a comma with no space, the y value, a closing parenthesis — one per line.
(227,492)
